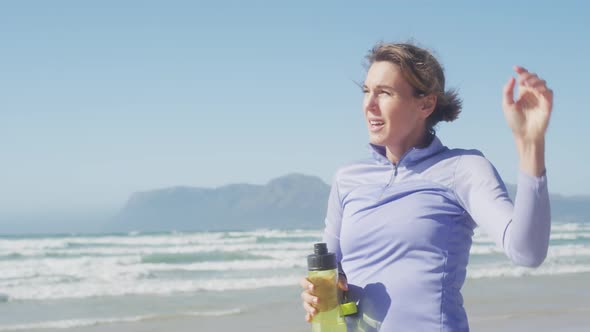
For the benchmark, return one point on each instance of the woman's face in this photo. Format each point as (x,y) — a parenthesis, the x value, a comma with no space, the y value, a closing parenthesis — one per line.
(394,115)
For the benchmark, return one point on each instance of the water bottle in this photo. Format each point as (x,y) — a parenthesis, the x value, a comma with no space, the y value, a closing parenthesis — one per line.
(323,273)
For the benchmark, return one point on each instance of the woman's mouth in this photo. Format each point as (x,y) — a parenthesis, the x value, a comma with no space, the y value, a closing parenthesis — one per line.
(376,125)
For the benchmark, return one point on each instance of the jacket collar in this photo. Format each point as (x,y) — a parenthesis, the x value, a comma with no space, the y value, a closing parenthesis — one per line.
(412,156)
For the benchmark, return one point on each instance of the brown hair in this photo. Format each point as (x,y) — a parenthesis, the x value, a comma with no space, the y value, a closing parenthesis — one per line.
(425,74)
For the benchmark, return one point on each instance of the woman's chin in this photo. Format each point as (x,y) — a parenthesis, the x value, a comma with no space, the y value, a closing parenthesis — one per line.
(376,140)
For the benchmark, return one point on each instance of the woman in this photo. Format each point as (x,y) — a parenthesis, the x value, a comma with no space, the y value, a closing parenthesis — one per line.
(401,222)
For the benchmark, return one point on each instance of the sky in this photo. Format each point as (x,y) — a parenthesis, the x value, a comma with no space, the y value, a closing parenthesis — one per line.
(102,99)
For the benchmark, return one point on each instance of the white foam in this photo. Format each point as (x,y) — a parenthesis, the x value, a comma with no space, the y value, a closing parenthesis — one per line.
(570,236)
(70,323)
(177,248)
(570,250)
(8,246)
(485,250)
(214,313)
(144,286)
(508,270)
(479,237)
(237,265)
(74,323)
(570,227)
(34,271)
(246,283)
(113,265)
(95,245)
(279,234)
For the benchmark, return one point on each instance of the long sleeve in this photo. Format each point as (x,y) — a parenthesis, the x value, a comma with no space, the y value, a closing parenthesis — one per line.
(526,239)
(521,229)
(333,221)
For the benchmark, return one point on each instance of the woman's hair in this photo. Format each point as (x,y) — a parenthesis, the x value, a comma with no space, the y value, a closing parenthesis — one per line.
(425,74)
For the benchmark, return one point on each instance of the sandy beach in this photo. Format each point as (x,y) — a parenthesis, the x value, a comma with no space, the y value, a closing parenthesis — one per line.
(540,303)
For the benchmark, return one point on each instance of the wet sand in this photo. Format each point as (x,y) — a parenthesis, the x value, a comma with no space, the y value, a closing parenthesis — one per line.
(541,304)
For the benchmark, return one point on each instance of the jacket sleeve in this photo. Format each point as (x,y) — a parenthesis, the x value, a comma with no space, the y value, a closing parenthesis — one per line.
(522,229)
(333,221)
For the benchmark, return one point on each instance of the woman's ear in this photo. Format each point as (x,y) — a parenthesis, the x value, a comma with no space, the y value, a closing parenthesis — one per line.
(428,105)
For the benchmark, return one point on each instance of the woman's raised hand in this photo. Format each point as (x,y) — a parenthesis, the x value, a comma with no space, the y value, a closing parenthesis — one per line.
(528,115)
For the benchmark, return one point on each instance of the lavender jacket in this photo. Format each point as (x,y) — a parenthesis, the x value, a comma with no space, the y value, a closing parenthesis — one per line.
(403,232)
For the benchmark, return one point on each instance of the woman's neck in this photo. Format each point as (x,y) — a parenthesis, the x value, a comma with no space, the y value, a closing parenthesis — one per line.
(395,153)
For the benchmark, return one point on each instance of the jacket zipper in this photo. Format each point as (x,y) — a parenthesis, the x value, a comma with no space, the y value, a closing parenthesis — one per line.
(391,180)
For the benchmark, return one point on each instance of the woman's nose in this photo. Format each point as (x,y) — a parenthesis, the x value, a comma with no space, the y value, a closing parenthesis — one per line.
(370,101)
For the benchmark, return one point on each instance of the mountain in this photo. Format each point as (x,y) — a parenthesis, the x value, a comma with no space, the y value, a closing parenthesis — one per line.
(291,201)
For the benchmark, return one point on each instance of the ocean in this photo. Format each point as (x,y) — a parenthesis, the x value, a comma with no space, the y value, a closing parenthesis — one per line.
(75,280)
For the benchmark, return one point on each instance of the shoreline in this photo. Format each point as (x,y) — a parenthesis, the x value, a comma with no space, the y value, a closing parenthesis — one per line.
(532,303)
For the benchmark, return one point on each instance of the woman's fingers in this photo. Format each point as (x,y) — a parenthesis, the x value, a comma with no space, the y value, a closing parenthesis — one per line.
(307,297)
(524,79)
(537,84)
(309,309)
(309,300)
(509,92)
(527,79)
(306,284)
(342,282)
(531,80)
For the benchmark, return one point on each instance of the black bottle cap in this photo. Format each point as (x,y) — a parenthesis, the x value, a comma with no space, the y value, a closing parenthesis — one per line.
(321,259)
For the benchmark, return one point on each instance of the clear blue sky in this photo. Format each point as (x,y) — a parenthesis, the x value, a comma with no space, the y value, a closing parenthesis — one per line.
(101,99)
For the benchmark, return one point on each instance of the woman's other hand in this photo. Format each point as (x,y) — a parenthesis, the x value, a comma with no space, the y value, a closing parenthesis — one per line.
(310,300)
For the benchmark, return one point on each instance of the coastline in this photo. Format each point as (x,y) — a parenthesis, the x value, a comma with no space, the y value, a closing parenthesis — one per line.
(531,303)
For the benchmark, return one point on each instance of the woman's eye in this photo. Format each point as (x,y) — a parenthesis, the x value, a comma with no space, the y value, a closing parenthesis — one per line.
(365,91)
(385,93)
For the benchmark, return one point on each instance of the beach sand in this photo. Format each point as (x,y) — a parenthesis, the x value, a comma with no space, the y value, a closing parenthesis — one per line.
(540,303)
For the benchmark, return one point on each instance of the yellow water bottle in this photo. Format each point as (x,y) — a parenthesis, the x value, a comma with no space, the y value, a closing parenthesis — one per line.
(323,273)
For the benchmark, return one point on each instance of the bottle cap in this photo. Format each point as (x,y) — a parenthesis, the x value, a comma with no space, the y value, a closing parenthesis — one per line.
(321,259)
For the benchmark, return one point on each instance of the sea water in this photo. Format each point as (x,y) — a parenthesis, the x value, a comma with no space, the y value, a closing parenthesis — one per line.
(73,280)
